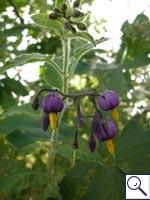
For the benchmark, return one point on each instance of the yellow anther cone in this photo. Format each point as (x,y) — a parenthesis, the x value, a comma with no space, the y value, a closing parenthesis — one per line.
(110,146)
(115,114)
(53,120)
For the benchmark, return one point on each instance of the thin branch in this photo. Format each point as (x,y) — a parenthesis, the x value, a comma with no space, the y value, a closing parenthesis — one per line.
(73,96)
(16,11)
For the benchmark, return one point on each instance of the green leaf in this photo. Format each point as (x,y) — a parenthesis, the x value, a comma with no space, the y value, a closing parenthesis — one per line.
(52,76)
(28,148)
(25,58)
(108,183)
(20,179)
(79,52)
(132,149)
(20,138)
(12,85)
(88,181)
(111,79)
(138,61)
(58,3)
(6,98)
(17,181)
(14,30)
(24,109)
(22,129)
(6,165)
(42,20)
(136,36)
(52,190)
(82,35)
(73,181)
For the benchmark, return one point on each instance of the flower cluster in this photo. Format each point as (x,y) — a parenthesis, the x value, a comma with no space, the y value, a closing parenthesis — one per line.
(69,14)
(101,129)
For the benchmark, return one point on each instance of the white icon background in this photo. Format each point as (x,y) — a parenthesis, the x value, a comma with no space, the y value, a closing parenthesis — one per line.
(133,183)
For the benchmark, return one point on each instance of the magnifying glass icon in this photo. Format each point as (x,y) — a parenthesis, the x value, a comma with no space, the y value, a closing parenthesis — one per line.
(134,183)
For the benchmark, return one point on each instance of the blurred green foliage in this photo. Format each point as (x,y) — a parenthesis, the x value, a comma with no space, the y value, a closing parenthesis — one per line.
(24,147)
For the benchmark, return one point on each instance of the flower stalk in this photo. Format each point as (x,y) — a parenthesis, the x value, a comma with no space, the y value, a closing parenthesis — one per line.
(53,141)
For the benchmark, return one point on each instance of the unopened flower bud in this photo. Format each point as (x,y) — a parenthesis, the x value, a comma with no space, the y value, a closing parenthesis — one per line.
(77,13)
(67,25)
(96,122)
(53,15)
(45,121)
(63,7)
(35,104)
(92,142)
(76,4)
(81,26)
(56,10)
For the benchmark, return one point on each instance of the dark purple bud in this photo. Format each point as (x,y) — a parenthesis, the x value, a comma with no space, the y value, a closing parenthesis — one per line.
(92,142)
(56,10)
(53,15)
(108,100)
(106,131)
(81,26)
(77,13)
(67,25)
(52,103)
(45,121)
(96,122)
(35,104)
(63,7)
(76,4)
(75,141)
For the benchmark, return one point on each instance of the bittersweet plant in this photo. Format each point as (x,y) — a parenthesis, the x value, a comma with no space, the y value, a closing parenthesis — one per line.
(66,20)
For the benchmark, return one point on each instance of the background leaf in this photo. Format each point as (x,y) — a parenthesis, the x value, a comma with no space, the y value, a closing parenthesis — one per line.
(82,35)
(52,77)
(108,183)
(42,20)
(132,149)
(23,59)
(88,181)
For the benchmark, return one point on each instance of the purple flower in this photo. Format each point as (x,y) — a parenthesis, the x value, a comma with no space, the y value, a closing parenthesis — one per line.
(106,130)
(108,100)
(45,121)
(52,103)
(92,142)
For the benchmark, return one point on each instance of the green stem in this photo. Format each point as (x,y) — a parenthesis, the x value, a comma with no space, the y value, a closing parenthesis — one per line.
(66,53)
(53,141)
(74,158)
